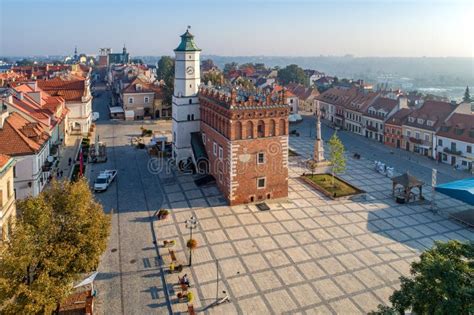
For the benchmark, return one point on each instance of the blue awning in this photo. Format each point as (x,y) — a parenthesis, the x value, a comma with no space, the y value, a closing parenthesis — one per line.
(462,190)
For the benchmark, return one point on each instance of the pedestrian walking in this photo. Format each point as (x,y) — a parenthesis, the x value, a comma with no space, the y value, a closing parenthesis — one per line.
(57,173)
(61,173)
(69,161)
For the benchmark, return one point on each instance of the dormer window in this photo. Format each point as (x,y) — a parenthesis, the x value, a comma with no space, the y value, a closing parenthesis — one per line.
(411,119)
(471,133)
(138,87)
(420,121)
(458,131)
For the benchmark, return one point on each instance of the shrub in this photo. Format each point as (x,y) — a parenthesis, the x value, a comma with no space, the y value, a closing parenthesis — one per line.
(192,244)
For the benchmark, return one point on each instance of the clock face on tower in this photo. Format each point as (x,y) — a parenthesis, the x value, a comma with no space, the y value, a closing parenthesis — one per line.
(189,70)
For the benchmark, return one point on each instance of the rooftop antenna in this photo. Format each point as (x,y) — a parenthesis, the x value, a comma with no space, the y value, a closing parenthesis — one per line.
(189,27)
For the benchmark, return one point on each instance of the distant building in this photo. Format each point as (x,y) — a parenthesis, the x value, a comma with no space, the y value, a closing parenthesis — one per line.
(314,75)
(7,196)
(118,58)
(144,99)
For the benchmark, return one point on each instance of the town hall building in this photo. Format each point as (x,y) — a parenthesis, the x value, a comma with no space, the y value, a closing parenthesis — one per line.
(238,137)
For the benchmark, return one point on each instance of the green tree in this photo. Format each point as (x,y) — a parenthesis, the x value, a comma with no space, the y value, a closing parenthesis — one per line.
(59,234)
(229,67)
(215,77)
(207,64)
(467,95)
(292,73)
(336,156)
(442,282)
(165,72)
(246,84)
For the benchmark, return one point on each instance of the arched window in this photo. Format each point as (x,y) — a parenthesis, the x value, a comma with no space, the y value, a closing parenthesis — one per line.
(249,130)
(271,128)
(192,116)
(282,127)
(261,129)
(238,131)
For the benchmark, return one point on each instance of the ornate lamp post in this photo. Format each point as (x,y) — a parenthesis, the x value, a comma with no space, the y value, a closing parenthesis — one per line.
(191,224)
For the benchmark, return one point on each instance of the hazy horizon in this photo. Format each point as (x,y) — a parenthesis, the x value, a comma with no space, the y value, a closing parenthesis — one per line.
(280,28)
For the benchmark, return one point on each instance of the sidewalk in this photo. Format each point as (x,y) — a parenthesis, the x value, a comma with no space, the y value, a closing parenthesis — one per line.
(69,151)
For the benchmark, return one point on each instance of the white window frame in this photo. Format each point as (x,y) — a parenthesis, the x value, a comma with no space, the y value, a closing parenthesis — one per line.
(258,157)
(264,182)
(130,100)
(146,99)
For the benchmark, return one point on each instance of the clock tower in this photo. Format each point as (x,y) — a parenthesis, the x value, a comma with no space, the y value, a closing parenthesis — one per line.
(185,109)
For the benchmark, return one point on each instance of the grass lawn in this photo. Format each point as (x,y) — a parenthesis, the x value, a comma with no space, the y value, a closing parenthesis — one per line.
(324,181)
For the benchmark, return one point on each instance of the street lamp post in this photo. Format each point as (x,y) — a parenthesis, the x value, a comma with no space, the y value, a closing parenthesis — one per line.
(191,224)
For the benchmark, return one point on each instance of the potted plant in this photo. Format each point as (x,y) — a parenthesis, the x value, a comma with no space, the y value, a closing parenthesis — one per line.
(192,244)
(163,214)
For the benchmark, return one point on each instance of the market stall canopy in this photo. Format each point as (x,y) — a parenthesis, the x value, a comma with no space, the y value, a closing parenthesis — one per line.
(462,190)
(407,180)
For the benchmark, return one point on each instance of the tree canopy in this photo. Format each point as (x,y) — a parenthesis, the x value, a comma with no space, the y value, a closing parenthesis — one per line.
(58,235)
(215,77)
(336,155)
(165,72)
(292,73)
(441,282)
(229,67)
(467,95)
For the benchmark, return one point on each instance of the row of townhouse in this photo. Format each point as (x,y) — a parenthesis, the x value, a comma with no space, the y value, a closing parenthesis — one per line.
(40,106)
(389,119)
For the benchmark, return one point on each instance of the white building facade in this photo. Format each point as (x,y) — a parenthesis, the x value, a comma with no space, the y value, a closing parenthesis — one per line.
(185,107)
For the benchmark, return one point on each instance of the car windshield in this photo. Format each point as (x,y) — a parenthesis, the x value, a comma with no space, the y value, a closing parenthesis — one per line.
(101,180)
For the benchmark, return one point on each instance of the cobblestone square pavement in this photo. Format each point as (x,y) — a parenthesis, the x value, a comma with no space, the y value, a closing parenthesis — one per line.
(307,255)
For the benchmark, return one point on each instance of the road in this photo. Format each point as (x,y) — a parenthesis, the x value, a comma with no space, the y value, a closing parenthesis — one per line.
(130,277)
(402,160)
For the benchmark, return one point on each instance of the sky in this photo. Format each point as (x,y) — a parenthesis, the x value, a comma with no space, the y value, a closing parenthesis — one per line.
(380,28)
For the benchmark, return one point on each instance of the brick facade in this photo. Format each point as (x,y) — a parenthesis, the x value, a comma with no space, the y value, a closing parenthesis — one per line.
(237,130)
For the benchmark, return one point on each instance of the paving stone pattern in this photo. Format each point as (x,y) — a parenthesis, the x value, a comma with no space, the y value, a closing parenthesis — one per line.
(307,255)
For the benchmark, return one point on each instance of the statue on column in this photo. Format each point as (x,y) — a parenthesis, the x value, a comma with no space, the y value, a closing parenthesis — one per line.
(318,145)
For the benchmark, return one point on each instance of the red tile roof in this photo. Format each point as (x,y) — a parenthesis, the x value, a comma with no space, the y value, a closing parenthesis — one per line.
(146,87)
(435,111)
(459,127)
(4,160)
(21,137)
(70,90)
(399,117)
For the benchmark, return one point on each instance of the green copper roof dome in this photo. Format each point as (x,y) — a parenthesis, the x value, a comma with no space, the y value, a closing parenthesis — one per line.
(187,43)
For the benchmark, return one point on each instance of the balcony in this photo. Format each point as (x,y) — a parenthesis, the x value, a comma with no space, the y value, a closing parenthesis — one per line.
(46,166)
(372,128)
(452,152)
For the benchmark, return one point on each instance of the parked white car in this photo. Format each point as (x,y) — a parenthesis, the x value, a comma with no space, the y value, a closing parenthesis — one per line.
(104,179)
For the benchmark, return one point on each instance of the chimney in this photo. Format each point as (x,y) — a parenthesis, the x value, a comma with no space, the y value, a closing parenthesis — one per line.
(33,85)
(402,102)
